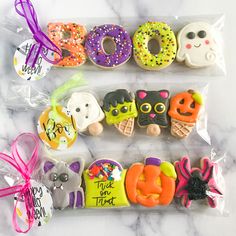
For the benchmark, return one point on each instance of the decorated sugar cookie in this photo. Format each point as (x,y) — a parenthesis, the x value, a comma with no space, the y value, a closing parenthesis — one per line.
(152,183)
(197,183)
(120,110)
(197,46)
(86,112)
(57,128)
(104,185)
(64,181)
(152,110)
(69,38)
(184,111)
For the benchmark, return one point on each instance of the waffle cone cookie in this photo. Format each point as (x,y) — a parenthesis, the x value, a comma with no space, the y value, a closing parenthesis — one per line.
(126,127)
(181,129)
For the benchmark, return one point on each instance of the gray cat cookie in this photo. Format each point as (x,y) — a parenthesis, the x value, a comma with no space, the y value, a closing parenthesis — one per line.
(64,181)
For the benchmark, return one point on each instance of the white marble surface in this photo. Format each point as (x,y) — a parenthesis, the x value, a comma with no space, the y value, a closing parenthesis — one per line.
(221,125)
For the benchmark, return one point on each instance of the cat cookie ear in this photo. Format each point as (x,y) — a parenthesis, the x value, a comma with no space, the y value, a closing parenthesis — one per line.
(141,94)
(48,165)
(77,166)
(164,94)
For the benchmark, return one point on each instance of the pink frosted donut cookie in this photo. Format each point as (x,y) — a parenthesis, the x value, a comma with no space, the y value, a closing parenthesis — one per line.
(94,45)
(197,183)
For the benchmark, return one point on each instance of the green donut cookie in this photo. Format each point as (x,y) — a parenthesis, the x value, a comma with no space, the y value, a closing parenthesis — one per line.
(167,41)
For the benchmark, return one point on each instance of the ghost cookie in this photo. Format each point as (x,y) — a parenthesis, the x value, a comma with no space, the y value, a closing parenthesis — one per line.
(86,112)
(120,110)
(152,110)
(196,45)
(104,185)
(64,181)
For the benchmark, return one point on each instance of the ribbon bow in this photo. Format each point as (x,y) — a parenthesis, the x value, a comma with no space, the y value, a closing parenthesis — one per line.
(25,169)
(43,45)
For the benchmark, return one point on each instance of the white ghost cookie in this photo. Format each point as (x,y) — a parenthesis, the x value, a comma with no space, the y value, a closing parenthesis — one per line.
(86,112)
(196,45)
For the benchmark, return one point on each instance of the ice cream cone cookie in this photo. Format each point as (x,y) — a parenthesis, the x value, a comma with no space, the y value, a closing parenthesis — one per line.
(57,128)
(196,45)
(152,183)
(86,112)
(164,53)
(104,185)
(152,110)
(197,183)
(69,38)
(120,110)
(184,111)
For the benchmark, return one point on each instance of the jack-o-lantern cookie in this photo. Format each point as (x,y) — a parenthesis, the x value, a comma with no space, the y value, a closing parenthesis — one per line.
(86,112)
(104,185)
(197,45)
(184,111)
(56,128)
(152,183)
(64,181)
(152,110)
(120,110)
(197,183)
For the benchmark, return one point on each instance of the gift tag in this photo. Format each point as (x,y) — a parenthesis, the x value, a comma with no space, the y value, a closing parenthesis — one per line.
(41,68)
(57,129)
(43,205)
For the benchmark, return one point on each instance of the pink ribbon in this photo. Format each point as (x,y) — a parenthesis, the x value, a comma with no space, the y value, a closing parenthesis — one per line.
(25,169)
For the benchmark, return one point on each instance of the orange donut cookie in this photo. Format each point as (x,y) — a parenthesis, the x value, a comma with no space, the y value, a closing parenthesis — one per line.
(151,184)
(69,38)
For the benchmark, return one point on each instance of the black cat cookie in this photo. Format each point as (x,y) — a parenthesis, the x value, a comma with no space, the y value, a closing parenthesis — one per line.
(152,110)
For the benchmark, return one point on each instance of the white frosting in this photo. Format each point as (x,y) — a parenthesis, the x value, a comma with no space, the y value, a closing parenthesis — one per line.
(89,110)
(197,52)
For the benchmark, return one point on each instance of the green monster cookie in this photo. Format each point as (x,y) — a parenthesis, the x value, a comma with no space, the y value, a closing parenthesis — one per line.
(120,110)
(104,181)
(167,43)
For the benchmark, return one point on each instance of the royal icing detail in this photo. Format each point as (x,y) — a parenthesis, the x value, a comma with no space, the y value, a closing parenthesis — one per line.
(85,110)
(104,185)
(152,183)
(197,45)
(167,42)
(197,183)
(95,50)
(184,111)
(41,68)
(42,203)
(69,38)
(57,128)
(64,181)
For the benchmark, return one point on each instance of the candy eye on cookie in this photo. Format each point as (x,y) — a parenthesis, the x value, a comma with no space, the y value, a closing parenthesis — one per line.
(160,108)
(145,108)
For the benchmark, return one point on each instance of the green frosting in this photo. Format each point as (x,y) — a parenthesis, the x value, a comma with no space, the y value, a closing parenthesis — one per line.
(105,194)
(166,38)
(168,169)
(197,97)
(131,112)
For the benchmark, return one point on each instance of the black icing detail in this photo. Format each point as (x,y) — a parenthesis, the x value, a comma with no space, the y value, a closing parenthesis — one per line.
(190,35)
(65,53)
(196,187)
(201,34)
(116,97)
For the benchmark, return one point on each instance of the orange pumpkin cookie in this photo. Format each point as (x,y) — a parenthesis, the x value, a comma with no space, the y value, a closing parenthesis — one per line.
(152,183)
(69,38)
(57,128)
(184,111)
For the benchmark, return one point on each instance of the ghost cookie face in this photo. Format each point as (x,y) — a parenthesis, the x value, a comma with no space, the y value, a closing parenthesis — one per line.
(86,112)
(64,181)
(197,46)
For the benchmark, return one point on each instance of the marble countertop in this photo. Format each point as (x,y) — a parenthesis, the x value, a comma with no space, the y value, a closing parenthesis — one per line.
(221,126)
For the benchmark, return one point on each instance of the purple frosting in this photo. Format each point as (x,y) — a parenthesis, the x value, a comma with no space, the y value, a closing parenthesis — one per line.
(153,161)
(93,45)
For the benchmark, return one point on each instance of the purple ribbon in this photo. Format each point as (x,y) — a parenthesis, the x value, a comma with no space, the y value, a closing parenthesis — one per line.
(43,44)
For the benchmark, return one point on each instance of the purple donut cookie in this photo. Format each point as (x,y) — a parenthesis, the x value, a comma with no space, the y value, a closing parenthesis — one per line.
(95,50)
